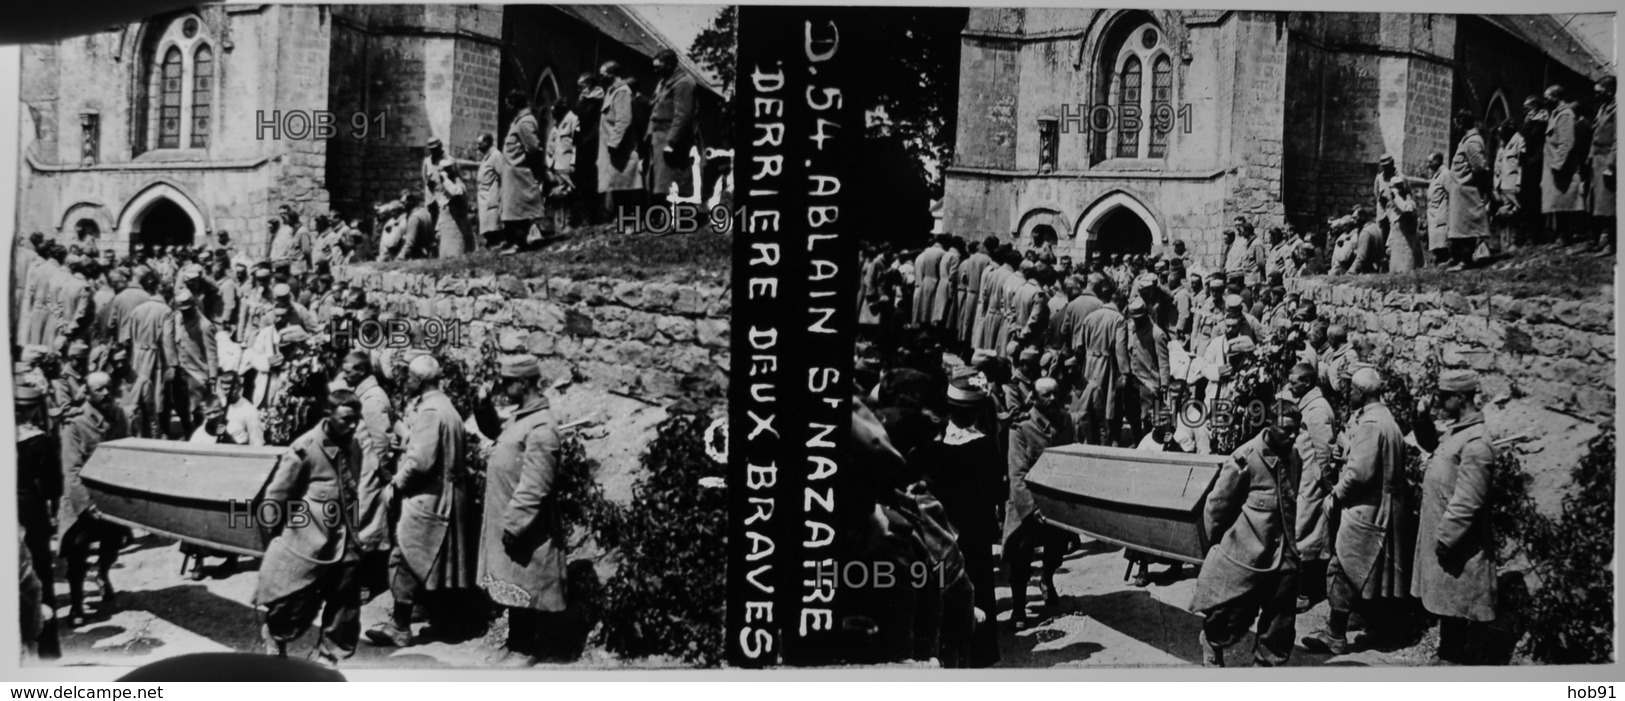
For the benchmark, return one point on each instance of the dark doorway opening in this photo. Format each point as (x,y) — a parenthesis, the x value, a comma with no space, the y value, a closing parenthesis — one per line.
(1044,235)
(163,224)
(1120,232)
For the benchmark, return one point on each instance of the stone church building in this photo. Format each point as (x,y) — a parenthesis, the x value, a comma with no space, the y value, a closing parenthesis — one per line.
(1275,116)
(202,120)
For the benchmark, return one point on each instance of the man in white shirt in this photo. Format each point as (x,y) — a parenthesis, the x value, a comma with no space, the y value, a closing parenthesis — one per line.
(241,417)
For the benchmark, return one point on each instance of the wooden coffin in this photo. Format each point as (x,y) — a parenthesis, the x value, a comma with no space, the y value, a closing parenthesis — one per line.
(183,490)
(1141,500)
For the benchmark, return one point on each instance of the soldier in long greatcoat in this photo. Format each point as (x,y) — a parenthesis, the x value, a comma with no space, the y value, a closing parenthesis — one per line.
(1106,365)
(947,282)
(926,271)
(1045,425)
(145,332)
(672,129)
(990,301)
(1438,211)
(1251,574)
(373,436)
(82,524)
(1454,574)
(967,291)
(1602,163)
(1470,184)
(1560,181)
(1314,446)
(1371,556)
(314,561)
(437,528)
(618,162)
(522,547)
(521,173)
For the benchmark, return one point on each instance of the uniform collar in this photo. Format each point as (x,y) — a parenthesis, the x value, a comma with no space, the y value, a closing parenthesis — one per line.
(326,442)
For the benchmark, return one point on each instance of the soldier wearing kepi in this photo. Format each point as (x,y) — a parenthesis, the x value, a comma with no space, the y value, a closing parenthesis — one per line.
(1454,574)
(435,534)
(1252,572)
(83,525)
(522,548)
(1371,553)
(314,561)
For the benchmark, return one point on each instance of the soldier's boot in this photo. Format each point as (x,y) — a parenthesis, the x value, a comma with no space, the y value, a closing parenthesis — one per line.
(76,595)
(1325,642)
(396,632)
(1212,655)
(273,647)
(1046,584)
(109,601)
(1018,604)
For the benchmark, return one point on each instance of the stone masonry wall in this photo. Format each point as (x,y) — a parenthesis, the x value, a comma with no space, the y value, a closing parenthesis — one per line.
(1557,352)
(656,341)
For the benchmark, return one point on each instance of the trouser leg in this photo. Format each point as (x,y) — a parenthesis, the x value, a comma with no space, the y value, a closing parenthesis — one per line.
(287,618)
(341,609)
(1277,621)
(404,586)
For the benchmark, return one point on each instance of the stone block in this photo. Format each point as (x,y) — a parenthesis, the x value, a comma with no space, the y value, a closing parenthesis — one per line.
(659,297)
(641,326)
(1594,402)
(540,343)
(610,329)
(629,294)
(482,285)
(676,328)
(510,340)
(1505,307)
(512,287)
(577,324)
(634,353)
(1568,312)
(690,301)
(712,333)
(1595,316)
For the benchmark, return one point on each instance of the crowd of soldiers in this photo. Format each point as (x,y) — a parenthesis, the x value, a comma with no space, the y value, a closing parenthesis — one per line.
(574,162)
(211,346)
(1548,179)
(973,365)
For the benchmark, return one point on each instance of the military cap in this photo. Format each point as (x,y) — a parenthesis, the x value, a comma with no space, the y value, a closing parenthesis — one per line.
(78,349)
(1232,301)
(1136,307)
(183,298)
(1386,158)
(963,392)
(519,366)
(434,141)
(1367,379)
(262,272)
(191,272)
(282,290)
(1458,381)
(1215,283)
(1242,344)
(1030,354)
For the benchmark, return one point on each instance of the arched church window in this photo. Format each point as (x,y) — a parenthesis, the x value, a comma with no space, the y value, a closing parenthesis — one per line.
(174,88)
(169,105)
(1135,84)
(202,95)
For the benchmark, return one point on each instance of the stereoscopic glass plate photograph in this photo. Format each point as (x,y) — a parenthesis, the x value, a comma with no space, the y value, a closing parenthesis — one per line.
(629,337)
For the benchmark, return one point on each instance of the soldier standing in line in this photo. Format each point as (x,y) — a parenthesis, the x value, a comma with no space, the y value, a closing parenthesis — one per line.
(1455,573)
(100,420)
(436,549)
(1371,556)
(314,562)
(1314,447)
(1252,572)
(522,548)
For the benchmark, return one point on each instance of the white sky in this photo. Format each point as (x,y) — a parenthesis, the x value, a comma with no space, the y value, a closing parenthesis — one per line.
(680,23)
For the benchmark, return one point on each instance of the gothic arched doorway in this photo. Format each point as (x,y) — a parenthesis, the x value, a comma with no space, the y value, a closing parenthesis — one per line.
(1120,231)
(163,223)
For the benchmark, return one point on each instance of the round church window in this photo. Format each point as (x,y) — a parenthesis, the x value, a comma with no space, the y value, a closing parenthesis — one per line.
(1148,38)
(190,28)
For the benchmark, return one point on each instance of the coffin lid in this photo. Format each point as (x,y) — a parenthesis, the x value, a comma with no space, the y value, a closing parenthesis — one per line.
(183,470)
(1139,478)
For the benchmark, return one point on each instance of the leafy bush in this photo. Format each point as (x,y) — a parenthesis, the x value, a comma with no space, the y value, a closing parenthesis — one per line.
(667,595)
(1571,615)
